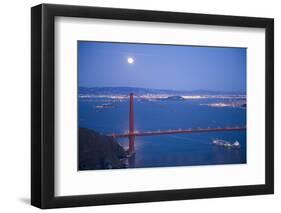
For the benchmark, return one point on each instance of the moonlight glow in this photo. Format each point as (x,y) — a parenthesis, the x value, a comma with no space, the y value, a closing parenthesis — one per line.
(130,60)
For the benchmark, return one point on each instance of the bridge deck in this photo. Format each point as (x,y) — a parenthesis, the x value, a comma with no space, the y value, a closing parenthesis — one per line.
(179,131)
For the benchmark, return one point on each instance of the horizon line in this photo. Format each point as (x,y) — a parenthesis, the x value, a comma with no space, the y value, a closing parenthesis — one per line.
(175,90)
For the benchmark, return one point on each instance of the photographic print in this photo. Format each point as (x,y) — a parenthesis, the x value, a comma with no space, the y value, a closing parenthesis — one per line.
(154,105)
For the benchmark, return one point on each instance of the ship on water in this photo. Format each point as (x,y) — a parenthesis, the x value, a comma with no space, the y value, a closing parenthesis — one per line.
(226,144)
(105,105)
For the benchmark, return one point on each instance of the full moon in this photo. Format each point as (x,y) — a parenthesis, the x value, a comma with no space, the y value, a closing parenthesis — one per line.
(130,60)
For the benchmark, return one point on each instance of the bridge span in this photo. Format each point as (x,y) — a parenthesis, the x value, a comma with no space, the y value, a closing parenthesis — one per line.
(132,133)
(177,131)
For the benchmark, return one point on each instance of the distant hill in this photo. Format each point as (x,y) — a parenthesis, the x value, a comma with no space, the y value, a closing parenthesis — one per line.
(174,98)
(142,91)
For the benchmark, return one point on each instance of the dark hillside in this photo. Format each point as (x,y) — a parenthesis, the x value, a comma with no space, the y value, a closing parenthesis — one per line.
(98,151)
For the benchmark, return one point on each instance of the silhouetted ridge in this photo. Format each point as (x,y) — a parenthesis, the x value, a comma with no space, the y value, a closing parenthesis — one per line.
(98,151)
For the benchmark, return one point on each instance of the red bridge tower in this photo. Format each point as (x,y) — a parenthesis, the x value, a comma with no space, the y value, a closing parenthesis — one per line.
(131,126)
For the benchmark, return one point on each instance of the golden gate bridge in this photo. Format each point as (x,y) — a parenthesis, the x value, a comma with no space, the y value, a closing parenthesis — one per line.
(132,133)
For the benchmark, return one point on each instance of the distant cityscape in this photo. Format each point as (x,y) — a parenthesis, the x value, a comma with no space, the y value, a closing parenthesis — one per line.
(227,99)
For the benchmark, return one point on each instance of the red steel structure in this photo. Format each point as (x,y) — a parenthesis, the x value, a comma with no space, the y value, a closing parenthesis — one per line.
(131,125)
(132,133)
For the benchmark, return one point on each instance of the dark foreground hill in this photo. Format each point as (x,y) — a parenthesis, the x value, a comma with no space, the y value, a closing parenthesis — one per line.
(98,151)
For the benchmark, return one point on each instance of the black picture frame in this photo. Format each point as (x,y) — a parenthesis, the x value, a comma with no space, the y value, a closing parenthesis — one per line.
(43,111)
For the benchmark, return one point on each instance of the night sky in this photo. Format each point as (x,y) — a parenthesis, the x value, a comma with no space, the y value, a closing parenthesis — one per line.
(161,66)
